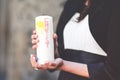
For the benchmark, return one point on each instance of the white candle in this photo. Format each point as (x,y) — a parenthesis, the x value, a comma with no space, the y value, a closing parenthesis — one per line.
(44,29)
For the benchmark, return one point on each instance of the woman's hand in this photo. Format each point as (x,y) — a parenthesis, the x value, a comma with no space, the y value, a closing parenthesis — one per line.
(35,41)
(47,66)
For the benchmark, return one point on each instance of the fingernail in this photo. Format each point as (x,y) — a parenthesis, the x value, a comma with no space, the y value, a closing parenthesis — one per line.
(34,58)
(30,55)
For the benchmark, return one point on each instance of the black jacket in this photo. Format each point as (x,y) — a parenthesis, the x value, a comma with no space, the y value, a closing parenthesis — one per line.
(104,22)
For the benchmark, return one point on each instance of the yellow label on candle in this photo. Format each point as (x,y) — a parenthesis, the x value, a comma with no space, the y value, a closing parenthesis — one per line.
(40,25)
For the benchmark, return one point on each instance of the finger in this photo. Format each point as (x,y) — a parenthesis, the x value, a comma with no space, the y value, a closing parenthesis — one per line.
(43,66)
(55,44)
(34,31)
(35,65)
(33,61)
(34,36)
(35,41)
(34,47)
(52,64)
(55,36)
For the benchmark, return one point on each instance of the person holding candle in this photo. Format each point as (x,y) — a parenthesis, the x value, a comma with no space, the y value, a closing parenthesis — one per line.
(87,40)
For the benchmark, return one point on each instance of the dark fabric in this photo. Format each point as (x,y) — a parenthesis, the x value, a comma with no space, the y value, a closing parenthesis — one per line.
(70,8)
(104,22)
(110,70)
(79,57)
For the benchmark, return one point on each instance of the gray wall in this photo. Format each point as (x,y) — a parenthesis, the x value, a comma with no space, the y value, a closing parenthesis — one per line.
(16,25)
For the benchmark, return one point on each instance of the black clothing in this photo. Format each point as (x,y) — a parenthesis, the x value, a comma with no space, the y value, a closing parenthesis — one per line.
(104,22)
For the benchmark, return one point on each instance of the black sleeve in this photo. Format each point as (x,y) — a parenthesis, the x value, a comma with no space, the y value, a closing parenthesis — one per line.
(110,69)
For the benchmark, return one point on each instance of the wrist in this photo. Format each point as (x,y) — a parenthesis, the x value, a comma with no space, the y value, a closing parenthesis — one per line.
(62,66)
(60,63)
(56,64)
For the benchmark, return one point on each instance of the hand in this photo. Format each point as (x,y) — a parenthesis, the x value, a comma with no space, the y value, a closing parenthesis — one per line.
(35,41)
(47,66)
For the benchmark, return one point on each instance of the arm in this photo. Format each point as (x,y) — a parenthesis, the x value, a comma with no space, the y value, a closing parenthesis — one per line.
(75,68)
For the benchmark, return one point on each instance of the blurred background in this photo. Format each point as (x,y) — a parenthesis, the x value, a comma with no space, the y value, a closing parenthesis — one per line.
(16,26)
